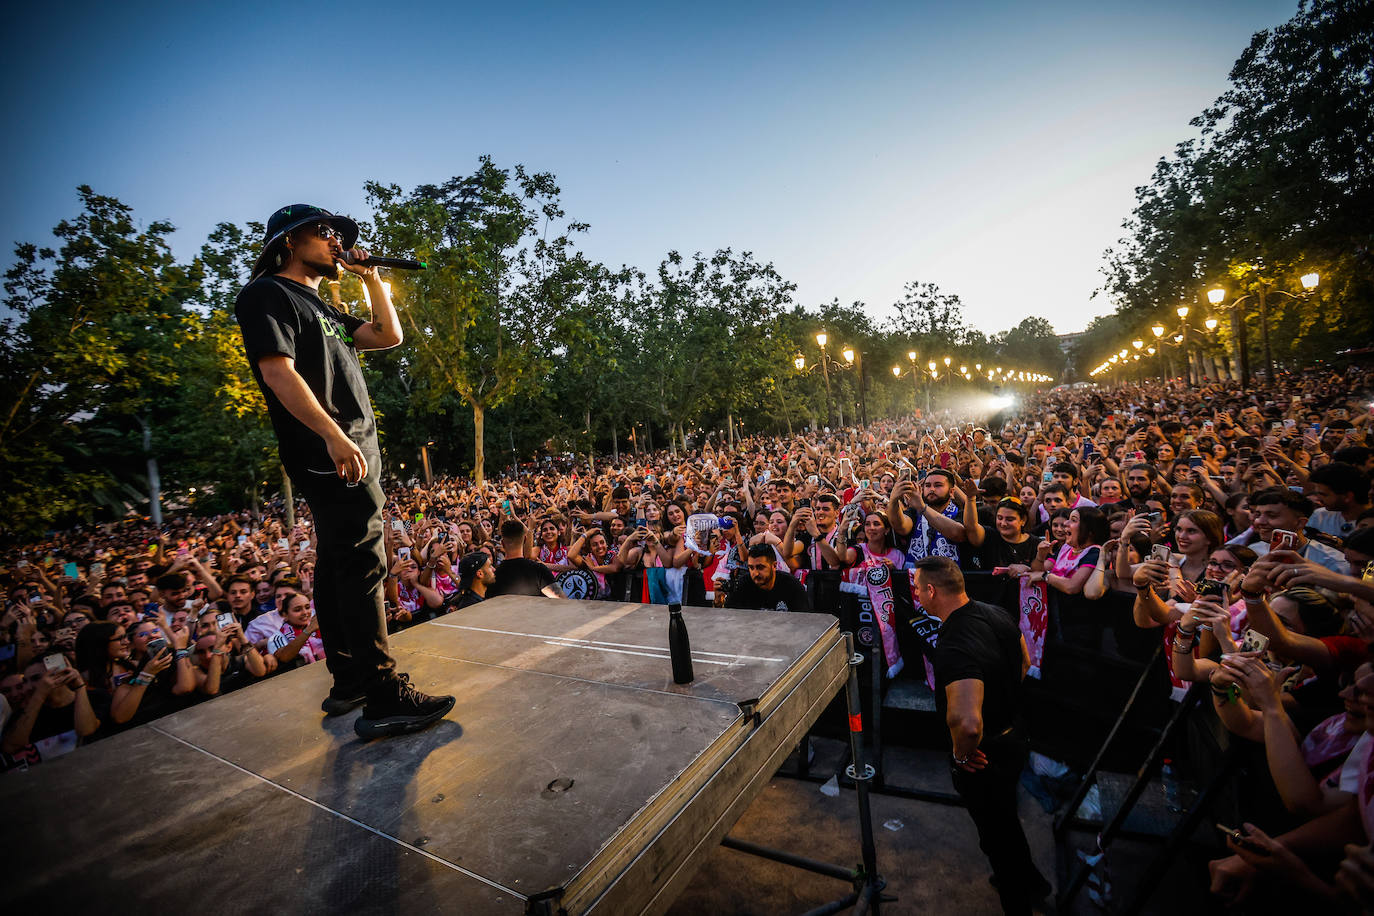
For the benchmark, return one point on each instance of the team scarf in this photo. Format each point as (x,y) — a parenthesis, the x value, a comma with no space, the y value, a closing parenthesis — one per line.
(1033,600)
(313,650)
(928,542)
(557,556)
(925,625)
(882,600)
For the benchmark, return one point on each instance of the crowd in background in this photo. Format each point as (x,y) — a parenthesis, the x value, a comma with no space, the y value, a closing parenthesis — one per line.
(1237,521)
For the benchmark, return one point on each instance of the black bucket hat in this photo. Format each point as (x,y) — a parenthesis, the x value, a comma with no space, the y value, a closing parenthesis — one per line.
(290,217)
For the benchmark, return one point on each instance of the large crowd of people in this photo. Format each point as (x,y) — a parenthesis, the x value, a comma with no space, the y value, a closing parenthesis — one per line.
(1237,520)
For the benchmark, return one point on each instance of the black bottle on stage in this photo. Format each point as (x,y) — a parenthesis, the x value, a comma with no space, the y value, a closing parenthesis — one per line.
(679,647)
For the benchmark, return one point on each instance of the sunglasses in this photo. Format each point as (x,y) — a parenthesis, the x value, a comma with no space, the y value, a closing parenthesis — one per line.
(326,231)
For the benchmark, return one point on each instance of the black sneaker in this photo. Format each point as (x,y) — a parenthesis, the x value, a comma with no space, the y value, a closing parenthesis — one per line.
(394,707)
(341,701)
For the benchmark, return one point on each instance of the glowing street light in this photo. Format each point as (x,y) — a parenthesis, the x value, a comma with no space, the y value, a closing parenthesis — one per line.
(848,354)
(1216,296)
(821,338)
(897,371)
(1210,324)
(1158,331)
(1310,281)
(911,355)
(1137,343)
(947,362)
(799,361)
(1182,311)
(931,366)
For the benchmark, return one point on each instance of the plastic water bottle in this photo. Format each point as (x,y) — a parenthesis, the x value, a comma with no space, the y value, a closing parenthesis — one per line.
(1173,792)
(679,648)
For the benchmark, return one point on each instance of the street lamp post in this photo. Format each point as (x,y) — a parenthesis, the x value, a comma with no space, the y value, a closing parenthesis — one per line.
(1263,287)
(915,382)
(1187,354)
(856,359)
(821,339)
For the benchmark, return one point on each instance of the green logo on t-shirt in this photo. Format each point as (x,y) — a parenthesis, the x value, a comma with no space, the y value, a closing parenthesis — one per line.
(334,329)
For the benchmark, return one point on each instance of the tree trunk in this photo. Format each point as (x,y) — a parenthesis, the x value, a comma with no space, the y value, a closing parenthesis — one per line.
(479,462)
(253,502)
(288,497)
(615,444)
(730,419)
(154,479)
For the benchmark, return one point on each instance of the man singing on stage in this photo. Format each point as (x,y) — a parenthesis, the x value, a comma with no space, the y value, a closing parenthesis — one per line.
(304,354)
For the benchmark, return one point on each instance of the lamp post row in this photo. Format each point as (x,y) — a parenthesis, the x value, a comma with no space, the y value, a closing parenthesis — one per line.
(1217,297)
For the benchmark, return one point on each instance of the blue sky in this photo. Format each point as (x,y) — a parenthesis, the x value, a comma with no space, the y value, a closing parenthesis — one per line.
(992,148)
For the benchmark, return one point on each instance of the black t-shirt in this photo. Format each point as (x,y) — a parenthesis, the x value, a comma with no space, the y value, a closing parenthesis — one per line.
(520,576)
(53,720)
(468,600)
(787,594)
(997,551)
(980,642)
(280,316)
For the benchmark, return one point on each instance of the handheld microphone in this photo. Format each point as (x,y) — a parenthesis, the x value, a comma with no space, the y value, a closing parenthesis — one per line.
(350,257)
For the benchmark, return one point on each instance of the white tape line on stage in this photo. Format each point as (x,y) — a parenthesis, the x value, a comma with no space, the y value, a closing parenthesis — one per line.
(579,645)
(573,642)
(339,814)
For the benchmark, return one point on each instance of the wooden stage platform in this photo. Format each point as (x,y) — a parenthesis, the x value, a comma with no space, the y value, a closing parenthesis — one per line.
(572,775)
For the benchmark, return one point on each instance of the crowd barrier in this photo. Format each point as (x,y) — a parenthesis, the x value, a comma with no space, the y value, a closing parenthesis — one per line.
(1102,703)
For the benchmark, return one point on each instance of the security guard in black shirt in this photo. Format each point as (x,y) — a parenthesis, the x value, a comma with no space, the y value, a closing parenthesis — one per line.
(980,660)
(304,355)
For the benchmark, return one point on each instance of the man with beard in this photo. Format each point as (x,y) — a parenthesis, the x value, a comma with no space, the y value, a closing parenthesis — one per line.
(819,525)
(1140,483)
(926,513)
(304,355)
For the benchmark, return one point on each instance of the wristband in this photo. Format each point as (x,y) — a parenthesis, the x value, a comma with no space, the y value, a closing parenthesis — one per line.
(141,680)
(960,760)
(179,654)
(1251,596)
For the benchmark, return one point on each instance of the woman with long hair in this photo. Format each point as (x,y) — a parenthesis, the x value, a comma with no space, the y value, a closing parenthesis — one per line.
(591,551)
(118,682)
(874,544)
(553,551)
(1087,532)
(1197,532)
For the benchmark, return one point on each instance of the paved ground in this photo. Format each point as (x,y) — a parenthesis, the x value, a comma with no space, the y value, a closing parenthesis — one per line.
(927,852)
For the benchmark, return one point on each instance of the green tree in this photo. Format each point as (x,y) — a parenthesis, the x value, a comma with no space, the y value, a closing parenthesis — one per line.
(503,276)
(1277,182)
(94,346)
